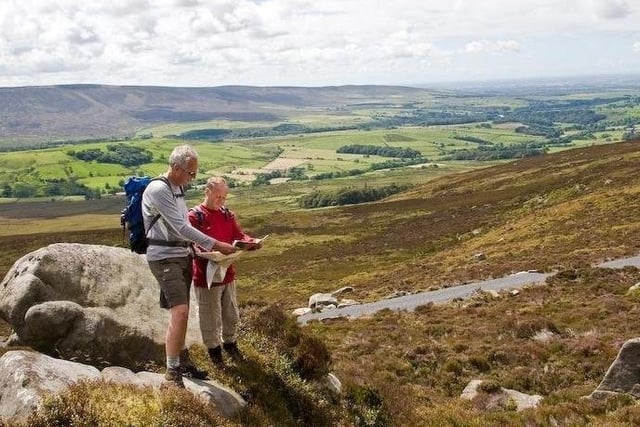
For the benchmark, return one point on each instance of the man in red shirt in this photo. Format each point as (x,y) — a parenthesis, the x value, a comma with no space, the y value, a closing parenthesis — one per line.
(217,305)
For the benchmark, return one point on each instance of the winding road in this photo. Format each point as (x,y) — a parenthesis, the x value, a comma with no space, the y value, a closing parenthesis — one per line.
(410,302)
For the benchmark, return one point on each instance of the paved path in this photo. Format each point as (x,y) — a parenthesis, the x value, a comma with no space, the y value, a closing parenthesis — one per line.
(410,302)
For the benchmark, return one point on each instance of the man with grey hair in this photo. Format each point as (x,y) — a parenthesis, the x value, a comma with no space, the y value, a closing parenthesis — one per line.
(170,236)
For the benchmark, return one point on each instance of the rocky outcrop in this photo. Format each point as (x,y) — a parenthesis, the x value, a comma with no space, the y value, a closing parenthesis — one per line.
(90,303)
(499,397)
(321,302)
(623,376)
(27,377)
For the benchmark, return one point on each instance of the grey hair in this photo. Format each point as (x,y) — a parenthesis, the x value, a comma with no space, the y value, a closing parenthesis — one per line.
(215,180)
(182,155)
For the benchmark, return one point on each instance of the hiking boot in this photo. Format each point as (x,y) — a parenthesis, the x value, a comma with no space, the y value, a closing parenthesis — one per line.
(174,377)
(232,349)
(215,354)
(189,369)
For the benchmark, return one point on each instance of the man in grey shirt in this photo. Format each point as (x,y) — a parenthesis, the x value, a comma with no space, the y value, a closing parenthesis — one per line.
(168,254)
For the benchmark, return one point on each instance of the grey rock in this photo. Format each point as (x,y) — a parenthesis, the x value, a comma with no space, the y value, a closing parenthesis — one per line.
(300,311)
(503,397)
(343,290)
(89,303)
(334,384)
(26,378)
(224,399)
(623,375)
(320,300)
(347,303)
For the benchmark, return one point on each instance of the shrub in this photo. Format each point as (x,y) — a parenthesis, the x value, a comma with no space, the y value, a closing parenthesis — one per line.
(106,404)
(312,358)
(310,355)
(366,405)
(480,363)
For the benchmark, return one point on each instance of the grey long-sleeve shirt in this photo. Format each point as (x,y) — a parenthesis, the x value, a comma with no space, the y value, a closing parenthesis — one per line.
(173,223)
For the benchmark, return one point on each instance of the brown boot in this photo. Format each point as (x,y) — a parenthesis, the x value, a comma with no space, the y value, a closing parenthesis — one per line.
(174,377)
(189,369)
(215,354)
(232,349)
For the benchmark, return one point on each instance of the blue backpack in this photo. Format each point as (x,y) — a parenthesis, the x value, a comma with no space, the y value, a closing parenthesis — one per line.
(131,216)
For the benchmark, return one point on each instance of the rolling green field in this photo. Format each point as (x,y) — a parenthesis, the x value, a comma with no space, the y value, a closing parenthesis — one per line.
(478,127)
(315,153)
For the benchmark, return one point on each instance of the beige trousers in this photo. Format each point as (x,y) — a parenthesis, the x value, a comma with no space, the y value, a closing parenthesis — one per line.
(217,314)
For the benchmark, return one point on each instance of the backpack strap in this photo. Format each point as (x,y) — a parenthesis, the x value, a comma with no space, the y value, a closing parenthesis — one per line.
(153,221)
(166,181)
(158,242)
(157,217)
(172,243)
(199,215)
(227,213)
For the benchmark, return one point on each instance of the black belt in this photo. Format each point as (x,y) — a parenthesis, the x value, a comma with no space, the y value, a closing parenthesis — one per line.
(172,243)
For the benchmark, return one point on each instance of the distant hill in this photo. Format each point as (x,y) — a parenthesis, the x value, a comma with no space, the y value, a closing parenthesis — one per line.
(50,113)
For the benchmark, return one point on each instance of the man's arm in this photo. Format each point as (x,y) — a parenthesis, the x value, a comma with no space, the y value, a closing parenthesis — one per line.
(174,215)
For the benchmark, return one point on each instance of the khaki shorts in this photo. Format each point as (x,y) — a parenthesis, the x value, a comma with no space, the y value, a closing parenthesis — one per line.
(174,277)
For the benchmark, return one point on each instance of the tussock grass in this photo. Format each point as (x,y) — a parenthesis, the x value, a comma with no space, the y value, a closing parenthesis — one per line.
(281,376)
(105,404)
(420,362)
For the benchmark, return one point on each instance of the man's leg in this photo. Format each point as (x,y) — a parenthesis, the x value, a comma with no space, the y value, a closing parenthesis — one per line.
(174,278)
(230,317)
(230,314)
(176,330)
(210,320)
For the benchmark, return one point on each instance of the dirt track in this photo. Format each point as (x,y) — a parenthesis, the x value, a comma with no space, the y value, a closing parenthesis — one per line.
(410,302)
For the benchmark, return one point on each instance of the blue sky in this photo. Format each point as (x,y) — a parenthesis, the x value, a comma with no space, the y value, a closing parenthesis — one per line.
(313,42)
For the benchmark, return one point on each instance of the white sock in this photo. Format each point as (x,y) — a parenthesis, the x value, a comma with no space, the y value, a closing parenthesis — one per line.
(173,362)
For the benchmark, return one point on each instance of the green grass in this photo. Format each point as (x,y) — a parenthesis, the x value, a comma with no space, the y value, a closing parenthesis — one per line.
(562,212)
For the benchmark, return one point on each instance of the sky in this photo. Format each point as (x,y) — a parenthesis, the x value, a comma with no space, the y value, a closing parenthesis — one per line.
(204,43)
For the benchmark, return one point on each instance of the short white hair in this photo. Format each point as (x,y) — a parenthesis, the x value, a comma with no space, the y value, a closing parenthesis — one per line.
(182,155)
(216,181)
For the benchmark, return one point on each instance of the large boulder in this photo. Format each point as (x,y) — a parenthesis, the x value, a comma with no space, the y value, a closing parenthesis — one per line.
(90,303)
(26,378)
(623,376)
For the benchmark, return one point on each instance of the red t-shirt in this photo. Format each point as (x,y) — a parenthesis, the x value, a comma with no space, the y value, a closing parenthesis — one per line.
(221,225)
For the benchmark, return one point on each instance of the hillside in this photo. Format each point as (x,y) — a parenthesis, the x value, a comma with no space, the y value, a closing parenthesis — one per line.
(51,113)
(559,212)
(556,211)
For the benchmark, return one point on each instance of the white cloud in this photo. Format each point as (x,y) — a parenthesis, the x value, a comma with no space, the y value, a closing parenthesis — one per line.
(636,47)
(481,46)
(611,9)
(197,42)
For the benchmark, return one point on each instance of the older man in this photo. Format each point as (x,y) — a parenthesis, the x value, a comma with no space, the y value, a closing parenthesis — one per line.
(217,304)
(168,254)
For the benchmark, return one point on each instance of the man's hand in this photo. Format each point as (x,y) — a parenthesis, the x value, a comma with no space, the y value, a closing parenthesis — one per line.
(225,248)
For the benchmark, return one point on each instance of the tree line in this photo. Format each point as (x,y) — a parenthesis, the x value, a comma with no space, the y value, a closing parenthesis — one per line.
(383,151)
(50,188)
(500,152)
(348,196)
(298,174)
(119,154)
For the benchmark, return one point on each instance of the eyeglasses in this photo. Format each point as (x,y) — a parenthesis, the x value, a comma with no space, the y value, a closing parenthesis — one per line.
(192,174)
